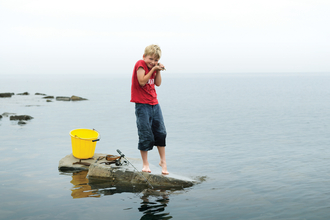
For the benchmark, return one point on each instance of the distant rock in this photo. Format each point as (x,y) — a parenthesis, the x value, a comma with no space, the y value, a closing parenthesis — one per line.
(21,123)
(20,117)
(6,95)
(63,98)
(24,93)
(48,97)
(49,100)
(37,93)
(77,98)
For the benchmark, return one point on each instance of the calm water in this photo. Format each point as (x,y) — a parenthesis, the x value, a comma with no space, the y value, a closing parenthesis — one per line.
(261,140)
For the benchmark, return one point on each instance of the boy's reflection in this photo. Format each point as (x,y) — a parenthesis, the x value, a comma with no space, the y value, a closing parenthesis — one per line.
(154,210)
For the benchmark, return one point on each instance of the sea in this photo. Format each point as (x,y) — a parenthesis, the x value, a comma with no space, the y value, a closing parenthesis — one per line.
(257,143)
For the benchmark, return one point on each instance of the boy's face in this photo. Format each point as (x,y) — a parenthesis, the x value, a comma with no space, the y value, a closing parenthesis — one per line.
(150,60)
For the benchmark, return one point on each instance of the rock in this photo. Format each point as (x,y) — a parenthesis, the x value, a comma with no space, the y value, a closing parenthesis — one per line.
(20,117)
(21,123)
(48,97)
(37,93)
(24,93)
(63,98)
(124,174)
(6,114)
(77,98)
(0,116)
(6,95)
(49,100)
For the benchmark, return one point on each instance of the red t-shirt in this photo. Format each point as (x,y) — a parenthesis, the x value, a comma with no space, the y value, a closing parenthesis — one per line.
(146,94)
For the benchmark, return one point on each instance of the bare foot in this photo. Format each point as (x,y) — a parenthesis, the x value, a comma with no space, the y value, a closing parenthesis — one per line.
(146,169)
(164,168)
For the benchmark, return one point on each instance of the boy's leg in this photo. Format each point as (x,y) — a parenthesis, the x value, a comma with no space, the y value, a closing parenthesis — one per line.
(162,163)
(144,155)
(146,139)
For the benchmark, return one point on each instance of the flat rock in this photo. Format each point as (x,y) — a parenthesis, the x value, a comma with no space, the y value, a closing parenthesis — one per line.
(124,174)
(63,98)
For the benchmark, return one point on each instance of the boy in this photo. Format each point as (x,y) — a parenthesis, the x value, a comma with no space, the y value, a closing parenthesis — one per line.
(149,118)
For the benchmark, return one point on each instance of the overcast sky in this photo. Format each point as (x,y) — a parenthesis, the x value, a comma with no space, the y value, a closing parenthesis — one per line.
(196,37)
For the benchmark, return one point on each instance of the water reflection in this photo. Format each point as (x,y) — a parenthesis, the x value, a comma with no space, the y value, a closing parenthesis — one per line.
(81,187)
(153,202)
(154,209)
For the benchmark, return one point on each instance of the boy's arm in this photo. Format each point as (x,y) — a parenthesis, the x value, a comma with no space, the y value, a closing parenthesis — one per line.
(142,78)
(158,78)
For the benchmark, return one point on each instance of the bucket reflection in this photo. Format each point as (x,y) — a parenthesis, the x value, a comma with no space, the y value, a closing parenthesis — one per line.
(81,187)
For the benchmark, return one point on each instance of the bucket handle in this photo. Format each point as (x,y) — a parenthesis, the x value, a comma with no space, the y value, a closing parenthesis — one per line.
(98,138)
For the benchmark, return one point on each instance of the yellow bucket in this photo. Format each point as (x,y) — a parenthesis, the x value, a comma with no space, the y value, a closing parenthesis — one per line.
(84,142)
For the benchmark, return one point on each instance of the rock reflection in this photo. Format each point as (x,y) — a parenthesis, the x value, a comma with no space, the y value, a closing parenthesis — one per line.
(81,187)
(153,202)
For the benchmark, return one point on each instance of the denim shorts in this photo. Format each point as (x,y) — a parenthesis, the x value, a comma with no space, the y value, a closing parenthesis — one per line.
(151,127)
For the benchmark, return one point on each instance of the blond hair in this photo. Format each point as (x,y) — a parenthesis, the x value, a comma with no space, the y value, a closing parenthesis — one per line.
(153,49)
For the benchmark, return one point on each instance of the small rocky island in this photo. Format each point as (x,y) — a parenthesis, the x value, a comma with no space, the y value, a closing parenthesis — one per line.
(22,119)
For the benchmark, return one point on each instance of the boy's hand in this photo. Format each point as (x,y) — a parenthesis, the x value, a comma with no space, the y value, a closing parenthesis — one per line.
(160,67)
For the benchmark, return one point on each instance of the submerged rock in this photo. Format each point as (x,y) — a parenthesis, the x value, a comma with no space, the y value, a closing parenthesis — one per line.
(21,123)
(6,95)
(38,93)
(6,114)
(20,117)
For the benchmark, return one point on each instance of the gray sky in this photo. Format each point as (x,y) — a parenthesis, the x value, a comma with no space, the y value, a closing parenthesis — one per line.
(196,37)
